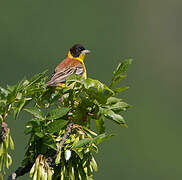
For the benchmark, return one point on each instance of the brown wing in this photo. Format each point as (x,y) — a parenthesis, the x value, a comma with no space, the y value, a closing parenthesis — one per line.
(65,69)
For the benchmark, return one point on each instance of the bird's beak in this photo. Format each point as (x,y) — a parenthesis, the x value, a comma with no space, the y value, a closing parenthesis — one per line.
(86,51)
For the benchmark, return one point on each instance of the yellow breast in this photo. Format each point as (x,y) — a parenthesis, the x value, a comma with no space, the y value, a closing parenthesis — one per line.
(80,58)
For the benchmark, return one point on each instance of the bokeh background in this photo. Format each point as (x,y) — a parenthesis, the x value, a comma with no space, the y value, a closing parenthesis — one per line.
(35,35)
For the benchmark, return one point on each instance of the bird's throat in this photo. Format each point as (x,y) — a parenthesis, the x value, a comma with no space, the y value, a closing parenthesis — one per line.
(80,58)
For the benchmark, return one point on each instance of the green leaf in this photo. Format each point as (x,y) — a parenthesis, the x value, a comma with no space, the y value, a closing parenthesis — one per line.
(117,107)
(56,125)
(19,86)
(113,100)
(1,176)
(58,113)
(83,142)
(93,95)
(11,97)
(94,148)
(58,158)
(12,88)
(120,106)
(19,107)
(82,172)
(88,83)
(73,78)
(35,112)
(88,141)
(122,67)
(15,91)
(36,78)
(89,130)
(113,116)
(33,125)
(102,137)
(39,134)
(8,161)
(11,142)
(3,101)
(79,153)
(116,80)
(4,91)
(100,125)
(94,164)
(91,83)
(119,71)
(28,129)
(119,90)
(52,145)
(1,151)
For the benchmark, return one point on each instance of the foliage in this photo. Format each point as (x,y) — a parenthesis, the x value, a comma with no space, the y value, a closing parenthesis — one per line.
(81,101)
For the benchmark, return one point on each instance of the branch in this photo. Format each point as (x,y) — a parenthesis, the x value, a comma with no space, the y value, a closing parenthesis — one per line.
(66,134)
(23,170)
(20,172)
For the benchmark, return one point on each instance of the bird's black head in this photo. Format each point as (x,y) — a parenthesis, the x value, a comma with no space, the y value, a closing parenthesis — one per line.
(76,50)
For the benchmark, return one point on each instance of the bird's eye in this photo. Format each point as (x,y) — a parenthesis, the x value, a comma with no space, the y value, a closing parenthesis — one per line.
(81,49)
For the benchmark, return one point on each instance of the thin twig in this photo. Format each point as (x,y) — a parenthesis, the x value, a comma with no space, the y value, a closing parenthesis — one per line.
(65,136)
(23,170)
(20,172)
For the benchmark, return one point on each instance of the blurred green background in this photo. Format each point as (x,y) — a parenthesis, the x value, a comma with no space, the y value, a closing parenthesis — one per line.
(35,35)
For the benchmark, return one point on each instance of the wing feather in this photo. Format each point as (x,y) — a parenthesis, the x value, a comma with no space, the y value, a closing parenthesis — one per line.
(60,76)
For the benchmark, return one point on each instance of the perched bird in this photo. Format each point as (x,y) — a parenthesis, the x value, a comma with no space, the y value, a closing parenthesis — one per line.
(72,64)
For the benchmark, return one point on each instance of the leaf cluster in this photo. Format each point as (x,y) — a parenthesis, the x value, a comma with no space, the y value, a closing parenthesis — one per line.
(81,101)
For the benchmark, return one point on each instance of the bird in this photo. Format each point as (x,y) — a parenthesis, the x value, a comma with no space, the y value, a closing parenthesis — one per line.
(72,64)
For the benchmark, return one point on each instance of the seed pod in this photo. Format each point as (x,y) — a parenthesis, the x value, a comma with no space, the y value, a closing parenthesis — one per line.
(67,155)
